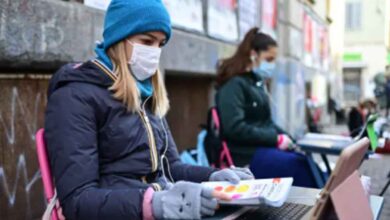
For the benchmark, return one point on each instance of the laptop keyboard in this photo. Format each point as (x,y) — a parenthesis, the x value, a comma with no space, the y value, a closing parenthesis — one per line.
(288,211)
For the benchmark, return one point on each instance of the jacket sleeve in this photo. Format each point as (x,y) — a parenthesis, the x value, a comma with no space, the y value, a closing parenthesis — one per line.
(179,170)
(71,137)
(280,130)
(231,108)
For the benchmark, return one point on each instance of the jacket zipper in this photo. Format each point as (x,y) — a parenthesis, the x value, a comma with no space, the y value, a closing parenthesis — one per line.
(144,118)
(152,141)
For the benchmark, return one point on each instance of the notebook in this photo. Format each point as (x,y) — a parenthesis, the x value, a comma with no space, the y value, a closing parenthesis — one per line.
(272,192)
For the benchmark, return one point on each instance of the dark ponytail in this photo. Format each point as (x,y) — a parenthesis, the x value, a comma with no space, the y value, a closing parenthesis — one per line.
(237,64)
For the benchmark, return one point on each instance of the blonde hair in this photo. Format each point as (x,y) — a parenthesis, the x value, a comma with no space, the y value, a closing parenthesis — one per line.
(125,86)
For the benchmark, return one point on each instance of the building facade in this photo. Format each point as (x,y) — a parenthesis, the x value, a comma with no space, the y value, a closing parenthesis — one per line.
(367,41)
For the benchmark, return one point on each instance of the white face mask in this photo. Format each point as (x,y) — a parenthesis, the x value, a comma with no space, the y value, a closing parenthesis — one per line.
(144,60)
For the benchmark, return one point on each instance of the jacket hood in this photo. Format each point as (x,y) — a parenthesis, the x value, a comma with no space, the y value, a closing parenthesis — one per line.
(90,72)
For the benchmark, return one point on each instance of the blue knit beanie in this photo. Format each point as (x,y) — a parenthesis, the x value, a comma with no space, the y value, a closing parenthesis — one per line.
(125,18)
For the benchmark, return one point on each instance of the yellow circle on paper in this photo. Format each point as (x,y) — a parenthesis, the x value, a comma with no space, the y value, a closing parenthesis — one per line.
(242,188)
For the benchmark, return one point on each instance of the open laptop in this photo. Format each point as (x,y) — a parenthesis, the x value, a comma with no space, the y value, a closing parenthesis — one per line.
(349,161)
(325,140)
(314,140)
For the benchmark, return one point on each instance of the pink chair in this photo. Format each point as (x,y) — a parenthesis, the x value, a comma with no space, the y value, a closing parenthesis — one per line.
(225,158)
(48,186)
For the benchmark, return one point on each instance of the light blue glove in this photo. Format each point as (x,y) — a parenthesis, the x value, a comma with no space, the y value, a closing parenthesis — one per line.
(184,200)
(233,175)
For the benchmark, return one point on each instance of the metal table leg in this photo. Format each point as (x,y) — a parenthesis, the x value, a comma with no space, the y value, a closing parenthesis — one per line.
(328,168)
(314,169)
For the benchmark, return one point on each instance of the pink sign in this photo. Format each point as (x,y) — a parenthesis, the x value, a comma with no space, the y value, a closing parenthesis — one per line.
(269,13)
(308,31)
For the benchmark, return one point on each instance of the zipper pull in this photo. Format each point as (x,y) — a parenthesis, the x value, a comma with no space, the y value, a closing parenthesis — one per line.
(146,118)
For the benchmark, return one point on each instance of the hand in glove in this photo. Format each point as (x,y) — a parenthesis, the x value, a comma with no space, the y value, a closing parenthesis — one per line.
(233,175)
(186,200)
(285,142)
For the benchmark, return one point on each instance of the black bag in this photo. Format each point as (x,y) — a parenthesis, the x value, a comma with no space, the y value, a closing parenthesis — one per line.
(212,142)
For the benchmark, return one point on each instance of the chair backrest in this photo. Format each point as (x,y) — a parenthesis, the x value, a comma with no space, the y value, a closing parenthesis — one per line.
(225,152)
(44,166)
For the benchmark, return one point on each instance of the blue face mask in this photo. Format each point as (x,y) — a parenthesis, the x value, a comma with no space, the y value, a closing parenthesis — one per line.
(265,69)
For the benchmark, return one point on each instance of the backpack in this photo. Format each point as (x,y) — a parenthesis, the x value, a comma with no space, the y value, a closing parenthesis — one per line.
(198,155)
(217,151)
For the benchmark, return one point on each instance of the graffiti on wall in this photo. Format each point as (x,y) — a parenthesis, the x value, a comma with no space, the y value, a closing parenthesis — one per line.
(22,104)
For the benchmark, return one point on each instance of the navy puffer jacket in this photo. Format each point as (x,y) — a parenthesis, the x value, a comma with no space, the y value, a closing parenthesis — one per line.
(104,158)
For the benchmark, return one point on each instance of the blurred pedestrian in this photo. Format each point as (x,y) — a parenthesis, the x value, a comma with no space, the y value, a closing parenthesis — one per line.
(359,114)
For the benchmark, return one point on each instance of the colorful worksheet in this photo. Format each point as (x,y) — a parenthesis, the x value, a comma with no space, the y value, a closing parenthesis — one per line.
(272,192)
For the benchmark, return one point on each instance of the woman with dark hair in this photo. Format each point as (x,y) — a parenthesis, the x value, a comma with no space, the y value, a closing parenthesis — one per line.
(243,104)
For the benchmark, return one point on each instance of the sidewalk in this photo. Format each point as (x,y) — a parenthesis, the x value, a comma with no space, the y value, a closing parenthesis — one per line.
(377,169)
